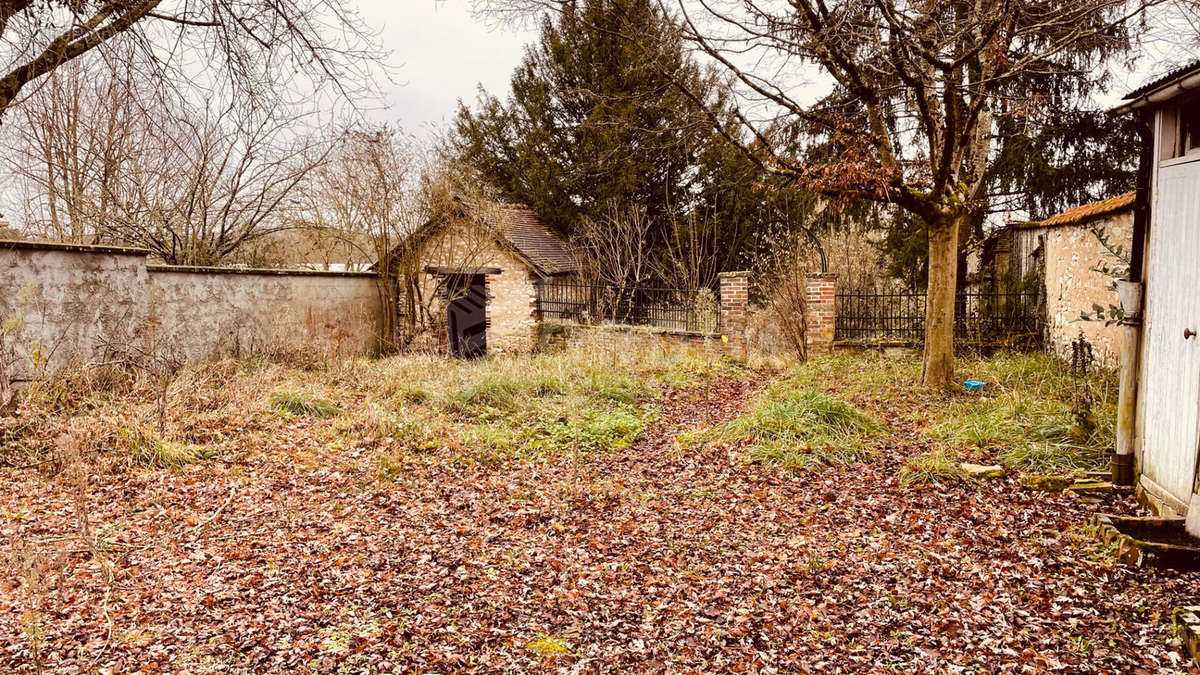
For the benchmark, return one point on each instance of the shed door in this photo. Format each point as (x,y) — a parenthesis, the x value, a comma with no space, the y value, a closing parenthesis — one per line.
(466,316)
(1171,403)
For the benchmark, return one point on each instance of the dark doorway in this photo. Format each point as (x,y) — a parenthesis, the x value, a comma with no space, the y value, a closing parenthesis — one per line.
(466,315)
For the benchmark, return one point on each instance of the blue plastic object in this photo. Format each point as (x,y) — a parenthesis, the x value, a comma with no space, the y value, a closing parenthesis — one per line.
(974,385)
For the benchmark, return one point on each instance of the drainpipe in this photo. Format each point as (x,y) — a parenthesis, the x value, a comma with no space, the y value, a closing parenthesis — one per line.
(1131,292)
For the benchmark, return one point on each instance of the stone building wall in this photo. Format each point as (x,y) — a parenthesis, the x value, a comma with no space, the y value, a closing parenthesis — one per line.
(511,285)
(1071,286)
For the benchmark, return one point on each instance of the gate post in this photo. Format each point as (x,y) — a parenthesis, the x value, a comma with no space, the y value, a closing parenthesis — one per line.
(822,312)
(735,297)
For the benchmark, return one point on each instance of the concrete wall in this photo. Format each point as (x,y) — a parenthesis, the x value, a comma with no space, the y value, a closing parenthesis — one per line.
(60,304)
(209,313)
(1071,286)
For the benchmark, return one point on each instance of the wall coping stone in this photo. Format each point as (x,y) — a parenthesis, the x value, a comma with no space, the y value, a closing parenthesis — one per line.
(281,272)
(649,330)
(733,275)
(14,244)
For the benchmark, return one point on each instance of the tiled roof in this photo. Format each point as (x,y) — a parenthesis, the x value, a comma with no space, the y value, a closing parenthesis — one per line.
(525,231)
(1082,214)
(1158,82)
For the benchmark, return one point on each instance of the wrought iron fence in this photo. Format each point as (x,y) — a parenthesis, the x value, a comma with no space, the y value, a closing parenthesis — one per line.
(979,318)
(673,309)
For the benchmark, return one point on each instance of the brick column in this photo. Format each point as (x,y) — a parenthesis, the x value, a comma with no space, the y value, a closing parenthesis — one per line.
(734,299)
(822,312)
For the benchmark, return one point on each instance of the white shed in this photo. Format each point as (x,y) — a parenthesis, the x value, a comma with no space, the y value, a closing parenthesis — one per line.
(1159,415)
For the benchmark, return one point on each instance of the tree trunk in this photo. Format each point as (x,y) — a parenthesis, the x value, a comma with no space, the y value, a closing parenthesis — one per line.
(939,305)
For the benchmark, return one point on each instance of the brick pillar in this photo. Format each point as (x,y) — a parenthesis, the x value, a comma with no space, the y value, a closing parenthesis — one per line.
(735,287)
(822,313)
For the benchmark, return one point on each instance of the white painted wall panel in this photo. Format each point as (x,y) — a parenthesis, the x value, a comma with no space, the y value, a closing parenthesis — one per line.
(1171,396)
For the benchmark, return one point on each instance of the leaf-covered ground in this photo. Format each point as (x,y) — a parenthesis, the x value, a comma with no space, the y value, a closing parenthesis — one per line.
(647,558)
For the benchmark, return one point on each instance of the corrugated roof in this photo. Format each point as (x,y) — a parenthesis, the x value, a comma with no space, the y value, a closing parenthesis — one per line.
(1082,214)
(1163,80)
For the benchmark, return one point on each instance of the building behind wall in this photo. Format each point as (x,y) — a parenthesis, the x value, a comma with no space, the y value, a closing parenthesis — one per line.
(1063,258)
(505,248)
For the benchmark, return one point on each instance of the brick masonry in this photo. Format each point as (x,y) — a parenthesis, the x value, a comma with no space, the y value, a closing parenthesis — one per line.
(822,314)
(735,300)
(511,293)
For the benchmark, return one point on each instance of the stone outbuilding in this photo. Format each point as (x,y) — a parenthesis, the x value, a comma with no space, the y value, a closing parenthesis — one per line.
(1063,259)
(1069,253)
(477,275)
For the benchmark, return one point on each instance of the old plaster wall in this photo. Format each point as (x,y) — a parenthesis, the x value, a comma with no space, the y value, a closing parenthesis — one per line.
(1072,287)
(209,313)
(59,305)
(64,305)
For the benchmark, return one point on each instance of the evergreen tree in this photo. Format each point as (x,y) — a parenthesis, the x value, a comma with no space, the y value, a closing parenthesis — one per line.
(594,121)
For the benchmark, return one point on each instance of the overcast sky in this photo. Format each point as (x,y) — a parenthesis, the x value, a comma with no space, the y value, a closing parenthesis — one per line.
(441,54)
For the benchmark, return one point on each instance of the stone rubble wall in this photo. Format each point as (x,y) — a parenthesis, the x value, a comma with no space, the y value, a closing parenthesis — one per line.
(1072,287)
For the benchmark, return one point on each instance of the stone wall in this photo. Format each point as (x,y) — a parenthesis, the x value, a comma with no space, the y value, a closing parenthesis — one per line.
(61,304)
(511,285)
(623,339)
(1072,286)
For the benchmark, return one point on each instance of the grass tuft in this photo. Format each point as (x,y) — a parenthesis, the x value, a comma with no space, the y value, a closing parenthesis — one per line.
(930,468)
(147,448)
(548,645)
(796,428)
(291,403)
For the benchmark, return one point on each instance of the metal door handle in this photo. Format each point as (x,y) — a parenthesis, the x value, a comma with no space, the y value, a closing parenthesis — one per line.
(1188,333)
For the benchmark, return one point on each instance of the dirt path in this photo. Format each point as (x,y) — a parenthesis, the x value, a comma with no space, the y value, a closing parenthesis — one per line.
(643,559)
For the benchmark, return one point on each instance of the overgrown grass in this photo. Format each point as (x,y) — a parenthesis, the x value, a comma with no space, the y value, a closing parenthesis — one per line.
(393,412)
(1022,418)
(931,467)
(292,403)
(146,448)
(794,426)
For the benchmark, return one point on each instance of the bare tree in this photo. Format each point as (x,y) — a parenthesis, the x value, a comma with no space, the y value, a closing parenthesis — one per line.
(106,159)
(900,102)
(249,45)
(617,246)
(366,196)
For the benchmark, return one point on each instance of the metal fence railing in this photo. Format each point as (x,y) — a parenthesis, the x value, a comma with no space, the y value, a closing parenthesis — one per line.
(697,311)
(979,318)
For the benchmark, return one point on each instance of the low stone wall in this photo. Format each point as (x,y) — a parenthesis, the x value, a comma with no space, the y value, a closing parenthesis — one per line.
(63,304)
(558,335)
